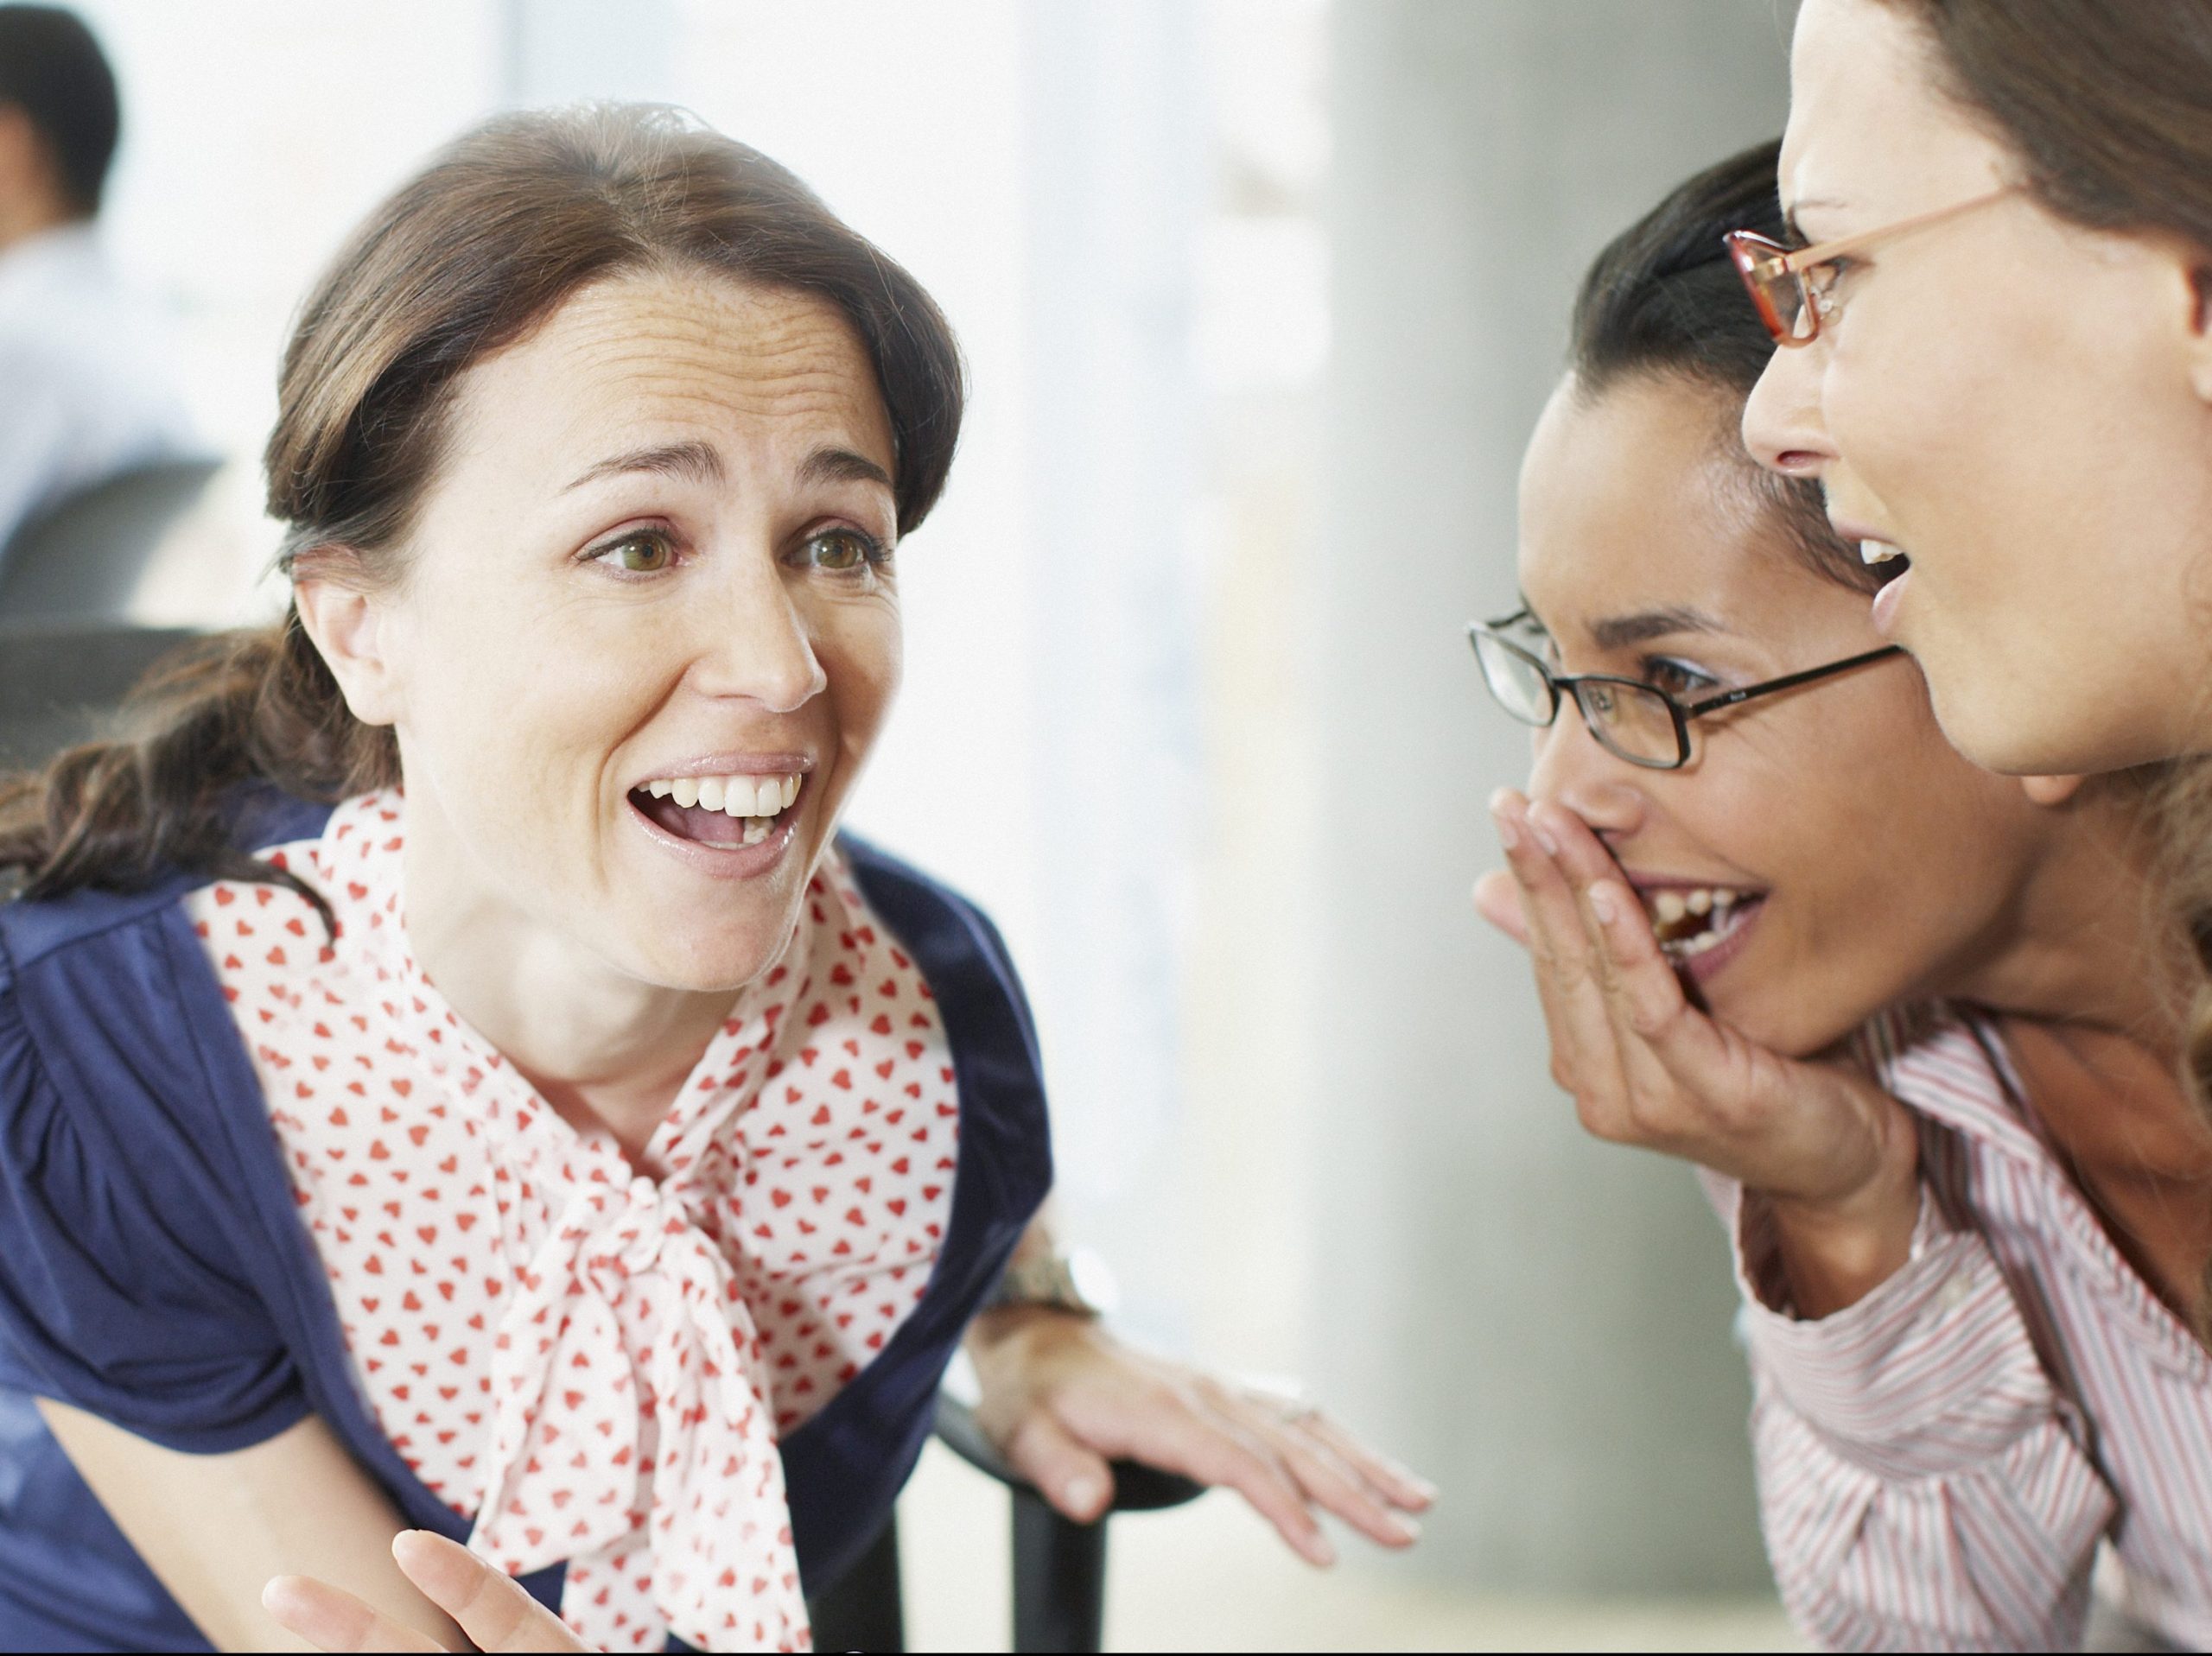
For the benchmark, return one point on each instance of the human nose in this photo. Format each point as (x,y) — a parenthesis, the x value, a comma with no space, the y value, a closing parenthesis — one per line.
(1572,771)
(1782,426)
(758,643)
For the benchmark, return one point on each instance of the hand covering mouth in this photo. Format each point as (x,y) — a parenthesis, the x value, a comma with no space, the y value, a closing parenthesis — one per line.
(719,811)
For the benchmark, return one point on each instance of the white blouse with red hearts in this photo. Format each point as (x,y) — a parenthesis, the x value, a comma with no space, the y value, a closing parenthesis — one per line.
(597,1360)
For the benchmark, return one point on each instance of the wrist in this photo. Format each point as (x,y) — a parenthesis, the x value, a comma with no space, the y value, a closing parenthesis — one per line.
(1836,1250)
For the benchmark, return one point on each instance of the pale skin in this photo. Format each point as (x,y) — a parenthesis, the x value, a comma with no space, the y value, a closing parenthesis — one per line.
(1892,869)
(679,489)
(2022,405)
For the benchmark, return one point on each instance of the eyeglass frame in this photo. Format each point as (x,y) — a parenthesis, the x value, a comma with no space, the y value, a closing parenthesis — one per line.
(1760,259)
(1681,713)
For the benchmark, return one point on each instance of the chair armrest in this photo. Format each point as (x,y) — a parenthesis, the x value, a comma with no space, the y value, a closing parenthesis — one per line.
(1137,1488)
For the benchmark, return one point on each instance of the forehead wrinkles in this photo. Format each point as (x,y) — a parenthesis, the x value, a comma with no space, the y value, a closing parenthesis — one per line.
(641,353)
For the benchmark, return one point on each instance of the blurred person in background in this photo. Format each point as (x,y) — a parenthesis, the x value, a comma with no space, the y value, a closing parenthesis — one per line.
(453,1073)
(85,392)
(1918,1023)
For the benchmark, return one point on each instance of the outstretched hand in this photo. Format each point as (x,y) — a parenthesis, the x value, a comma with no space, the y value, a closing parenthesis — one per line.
(1836,1155)
(491,1608)
(1062,1398)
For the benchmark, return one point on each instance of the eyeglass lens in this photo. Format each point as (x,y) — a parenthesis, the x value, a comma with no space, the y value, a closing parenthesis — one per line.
(1786,296)
(1518,683)
(1630,719)
(1634,722)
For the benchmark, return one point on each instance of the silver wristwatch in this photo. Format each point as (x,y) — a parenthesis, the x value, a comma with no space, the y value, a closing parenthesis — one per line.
(1076,1281)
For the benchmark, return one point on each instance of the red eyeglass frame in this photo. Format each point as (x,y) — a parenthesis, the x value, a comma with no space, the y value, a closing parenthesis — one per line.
(1762,262)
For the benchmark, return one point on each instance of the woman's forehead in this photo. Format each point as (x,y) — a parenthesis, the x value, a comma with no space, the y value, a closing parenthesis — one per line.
(1872,135)
(1635,507)
(667,358)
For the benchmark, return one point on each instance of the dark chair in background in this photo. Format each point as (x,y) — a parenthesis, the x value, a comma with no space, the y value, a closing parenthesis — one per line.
(1059,1566)
(81,560)
(60,682)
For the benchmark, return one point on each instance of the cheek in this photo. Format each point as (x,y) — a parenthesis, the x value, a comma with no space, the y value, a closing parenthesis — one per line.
(861,647)
(508,689)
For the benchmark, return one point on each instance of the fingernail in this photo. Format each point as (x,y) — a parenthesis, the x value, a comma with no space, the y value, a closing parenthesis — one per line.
(1322,1552)
(1543,837)
(1602,904)
(1507,835)
(1408,1530)
(1082,1493)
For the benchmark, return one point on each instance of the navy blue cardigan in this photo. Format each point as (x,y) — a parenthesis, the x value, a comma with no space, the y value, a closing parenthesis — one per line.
(153,1273)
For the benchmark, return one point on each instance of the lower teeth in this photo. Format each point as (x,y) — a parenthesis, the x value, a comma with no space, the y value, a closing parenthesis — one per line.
(1683,948)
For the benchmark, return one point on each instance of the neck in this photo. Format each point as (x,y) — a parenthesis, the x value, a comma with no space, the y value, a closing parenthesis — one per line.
(22,217)
(2091,945)
(604,1049)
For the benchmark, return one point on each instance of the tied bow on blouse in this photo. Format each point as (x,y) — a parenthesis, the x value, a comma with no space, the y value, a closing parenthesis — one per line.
(597,1363)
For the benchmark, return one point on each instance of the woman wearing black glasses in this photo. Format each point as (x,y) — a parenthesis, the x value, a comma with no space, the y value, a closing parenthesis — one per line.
(1909,1016)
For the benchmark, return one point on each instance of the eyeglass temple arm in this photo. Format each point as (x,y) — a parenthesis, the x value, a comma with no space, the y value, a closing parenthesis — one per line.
(1790,681)
(1797,261)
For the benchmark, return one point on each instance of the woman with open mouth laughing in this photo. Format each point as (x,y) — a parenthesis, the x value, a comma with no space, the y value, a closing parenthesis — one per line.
(453,1074)
(1916,1022)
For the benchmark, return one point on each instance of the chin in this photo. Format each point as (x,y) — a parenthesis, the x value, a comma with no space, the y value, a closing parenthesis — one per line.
(691,953)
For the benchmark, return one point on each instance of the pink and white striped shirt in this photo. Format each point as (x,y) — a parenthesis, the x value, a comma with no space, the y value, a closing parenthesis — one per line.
(1940,1463)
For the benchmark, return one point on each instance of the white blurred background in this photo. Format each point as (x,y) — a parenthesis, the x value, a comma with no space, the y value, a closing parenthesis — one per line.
(1260,297)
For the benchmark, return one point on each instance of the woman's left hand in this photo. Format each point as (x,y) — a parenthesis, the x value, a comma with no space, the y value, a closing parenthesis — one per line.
(493,1609)
(1062,1398)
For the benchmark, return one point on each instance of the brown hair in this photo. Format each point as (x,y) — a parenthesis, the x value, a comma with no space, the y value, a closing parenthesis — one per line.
(1662,300)
(2109,110)
(465,260)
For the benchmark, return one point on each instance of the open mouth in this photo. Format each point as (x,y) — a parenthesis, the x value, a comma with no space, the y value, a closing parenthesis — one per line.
(725,811)
(1690,920)
(1887,556)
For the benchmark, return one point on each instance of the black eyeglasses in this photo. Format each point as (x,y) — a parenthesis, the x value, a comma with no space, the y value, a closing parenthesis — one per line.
(1631,719)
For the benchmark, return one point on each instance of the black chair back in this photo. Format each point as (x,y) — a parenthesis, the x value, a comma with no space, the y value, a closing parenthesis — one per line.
(61,684)
(82,559)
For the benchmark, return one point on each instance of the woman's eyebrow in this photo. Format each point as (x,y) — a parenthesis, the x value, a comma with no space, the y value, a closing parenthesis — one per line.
(1618,631)
(842,465)
(697,461)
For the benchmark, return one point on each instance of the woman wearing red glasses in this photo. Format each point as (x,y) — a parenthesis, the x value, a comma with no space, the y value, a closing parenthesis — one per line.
(1967,1239)
(1998,366)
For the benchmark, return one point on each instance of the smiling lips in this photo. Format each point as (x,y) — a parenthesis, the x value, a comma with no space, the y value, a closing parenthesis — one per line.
(718,811)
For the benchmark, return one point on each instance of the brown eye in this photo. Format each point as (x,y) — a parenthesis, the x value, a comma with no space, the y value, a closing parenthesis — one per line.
(638,555)
(842,551)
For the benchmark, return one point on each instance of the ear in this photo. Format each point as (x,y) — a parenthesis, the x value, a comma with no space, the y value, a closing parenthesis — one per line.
(2200,366)
(2051,791)
(351,627)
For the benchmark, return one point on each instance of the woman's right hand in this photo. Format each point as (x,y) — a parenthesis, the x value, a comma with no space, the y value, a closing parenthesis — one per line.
(1834,1157)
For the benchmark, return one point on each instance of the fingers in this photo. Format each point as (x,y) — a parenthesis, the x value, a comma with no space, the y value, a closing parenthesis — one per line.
(1076,1480)
(1171,1426)
(1586,1057)
(1330,1482)
(492,1608)
(1399,1486)
(1497,899)
(331,1619)
(1665,1046)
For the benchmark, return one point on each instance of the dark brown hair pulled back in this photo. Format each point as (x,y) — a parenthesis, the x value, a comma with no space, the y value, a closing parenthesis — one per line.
(464,260)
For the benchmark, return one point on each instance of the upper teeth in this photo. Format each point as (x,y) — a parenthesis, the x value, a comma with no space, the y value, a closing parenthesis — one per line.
(732,796)
(1878,552)
(1668,907)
